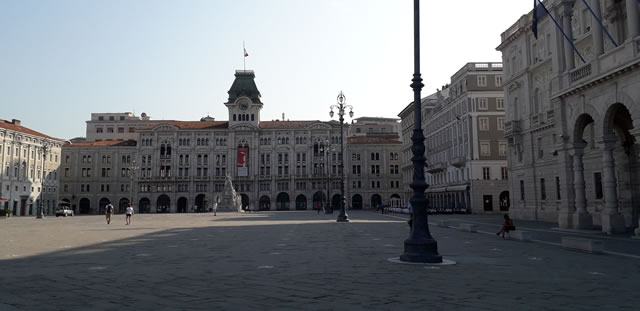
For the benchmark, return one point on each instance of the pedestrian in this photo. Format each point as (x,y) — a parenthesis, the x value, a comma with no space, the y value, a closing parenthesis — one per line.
(381,208)
(410,221)
(215,208)
(318,207)
(108,211)
(129,214)
(506,227)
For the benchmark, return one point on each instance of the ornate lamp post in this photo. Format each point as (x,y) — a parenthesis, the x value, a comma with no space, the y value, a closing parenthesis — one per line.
(132,172)
(341,106)
(420,246)
(40,214)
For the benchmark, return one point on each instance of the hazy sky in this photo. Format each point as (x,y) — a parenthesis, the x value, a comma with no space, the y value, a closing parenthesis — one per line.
(61,60)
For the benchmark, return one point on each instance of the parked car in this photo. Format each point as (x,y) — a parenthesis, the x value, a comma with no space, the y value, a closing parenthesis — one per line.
(64,211)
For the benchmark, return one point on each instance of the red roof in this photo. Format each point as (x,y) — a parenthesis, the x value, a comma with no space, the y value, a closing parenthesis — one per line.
(362,140)
(103,143)
(19,128)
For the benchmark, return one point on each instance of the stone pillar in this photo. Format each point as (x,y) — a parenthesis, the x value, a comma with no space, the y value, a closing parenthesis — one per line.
(568,30)
(581,218)
(598,44)
(612,220)
(633,24)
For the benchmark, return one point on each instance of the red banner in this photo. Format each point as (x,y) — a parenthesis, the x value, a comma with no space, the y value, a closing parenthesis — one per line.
(243,161)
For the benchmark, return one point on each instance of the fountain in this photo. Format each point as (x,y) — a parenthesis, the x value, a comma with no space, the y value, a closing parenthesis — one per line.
(230,199)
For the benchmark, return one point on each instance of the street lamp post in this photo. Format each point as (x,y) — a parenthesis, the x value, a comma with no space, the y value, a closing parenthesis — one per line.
(341,106)
(40,214)
(420,246)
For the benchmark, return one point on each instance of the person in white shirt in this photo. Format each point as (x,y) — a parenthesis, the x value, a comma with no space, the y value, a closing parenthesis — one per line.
(129,214)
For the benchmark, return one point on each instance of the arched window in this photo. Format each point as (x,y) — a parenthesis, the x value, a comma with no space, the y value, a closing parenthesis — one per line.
(252,119)
(234,117)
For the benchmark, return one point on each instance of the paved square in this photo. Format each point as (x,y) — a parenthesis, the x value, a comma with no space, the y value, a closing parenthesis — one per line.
(290,261)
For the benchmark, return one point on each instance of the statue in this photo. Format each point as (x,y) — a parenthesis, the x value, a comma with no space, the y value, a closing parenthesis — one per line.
(230,199)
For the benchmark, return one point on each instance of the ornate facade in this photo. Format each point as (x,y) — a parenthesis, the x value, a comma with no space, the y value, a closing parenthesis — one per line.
(27,179)
(572,119)
(180,166)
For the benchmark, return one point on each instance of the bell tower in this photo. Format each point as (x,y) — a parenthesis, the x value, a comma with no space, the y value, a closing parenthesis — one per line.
(244,102)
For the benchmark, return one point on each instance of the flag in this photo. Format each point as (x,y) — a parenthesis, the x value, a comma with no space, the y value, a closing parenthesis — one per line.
(245,52)
(539,11)
(534,24)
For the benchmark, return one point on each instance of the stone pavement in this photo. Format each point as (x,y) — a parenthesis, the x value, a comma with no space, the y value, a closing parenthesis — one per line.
(291,261)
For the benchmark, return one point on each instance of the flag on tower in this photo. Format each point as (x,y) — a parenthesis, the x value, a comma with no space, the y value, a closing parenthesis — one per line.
(245,52)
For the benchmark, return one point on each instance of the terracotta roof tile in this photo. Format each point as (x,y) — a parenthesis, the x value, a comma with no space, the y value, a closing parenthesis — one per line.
(385,140)
(103,143)
(19,128)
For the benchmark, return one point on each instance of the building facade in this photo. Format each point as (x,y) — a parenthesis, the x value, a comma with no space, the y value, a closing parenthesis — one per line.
(29,169)
(572,117)
(181,166)
(465,145)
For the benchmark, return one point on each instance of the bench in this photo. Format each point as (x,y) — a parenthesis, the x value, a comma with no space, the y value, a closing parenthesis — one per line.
(521,235)
(469,227)
(443,223)
(585,245)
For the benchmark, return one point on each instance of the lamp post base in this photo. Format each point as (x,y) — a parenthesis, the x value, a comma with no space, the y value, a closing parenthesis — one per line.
(425,251)
(343,218)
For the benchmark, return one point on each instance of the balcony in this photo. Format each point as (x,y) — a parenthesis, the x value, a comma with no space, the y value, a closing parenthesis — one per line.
(512,128)
(460,161)
(436,167)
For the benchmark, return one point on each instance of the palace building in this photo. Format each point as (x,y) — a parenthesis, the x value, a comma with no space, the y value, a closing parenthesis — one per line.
(572,114)
(29,163)
(181,166)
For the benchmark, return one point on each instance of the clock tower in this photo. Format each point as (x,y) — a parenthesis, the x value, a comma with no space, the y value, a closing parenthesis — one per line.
(244,103)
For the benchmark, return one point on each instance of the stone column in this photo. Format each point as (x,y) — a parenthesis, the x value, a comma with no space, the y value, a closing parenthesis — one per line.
(568,30)
(636,152)
(581,218)
(633,24)
(598,44)
(612,220)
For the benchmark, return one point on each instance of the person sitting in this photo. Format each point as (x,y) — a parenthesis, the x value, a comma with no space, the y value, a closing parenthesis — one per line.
(506,227)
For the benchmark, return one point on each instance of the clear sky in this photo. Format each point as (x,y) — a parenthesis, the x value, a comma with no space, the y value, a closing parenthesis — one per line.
(61,60)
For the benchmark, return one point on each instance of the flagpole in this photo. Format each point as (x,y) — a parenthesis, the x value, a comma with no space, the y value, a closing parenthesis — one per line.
(600,22)
(244,58)
(562,31)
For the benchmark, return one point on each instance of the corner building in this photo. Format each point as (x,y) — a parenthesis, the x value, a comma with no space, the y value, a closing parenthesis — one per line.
(572,125)
(181,166)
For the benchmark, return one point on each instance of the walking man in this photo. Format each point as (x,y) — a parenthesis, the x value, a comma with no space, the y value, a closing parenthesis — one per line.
(129,214)
(215,208)
(108,211)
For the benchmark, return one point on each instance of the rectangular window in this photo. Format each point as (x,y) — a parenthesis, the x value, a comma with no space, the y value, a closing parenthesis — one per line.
(486,173)
(522,190)
(500,123)
(498,80)
(502,149)
(109,130)
(500,103)
(543,190)
(483,104)
(485,149)
(540,149)
(121,130)
(482,80)
(558,188)
(597,181)
(483,124)
(504,172)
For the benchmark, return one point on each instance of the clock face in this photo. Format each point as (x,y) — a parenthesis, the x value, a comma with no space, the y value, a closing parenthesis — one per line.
(243,104)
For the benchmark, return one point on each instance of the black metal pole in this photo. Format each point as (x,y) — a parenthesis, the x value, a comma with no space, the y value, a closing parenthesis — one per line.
(420,246)
(343,217)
